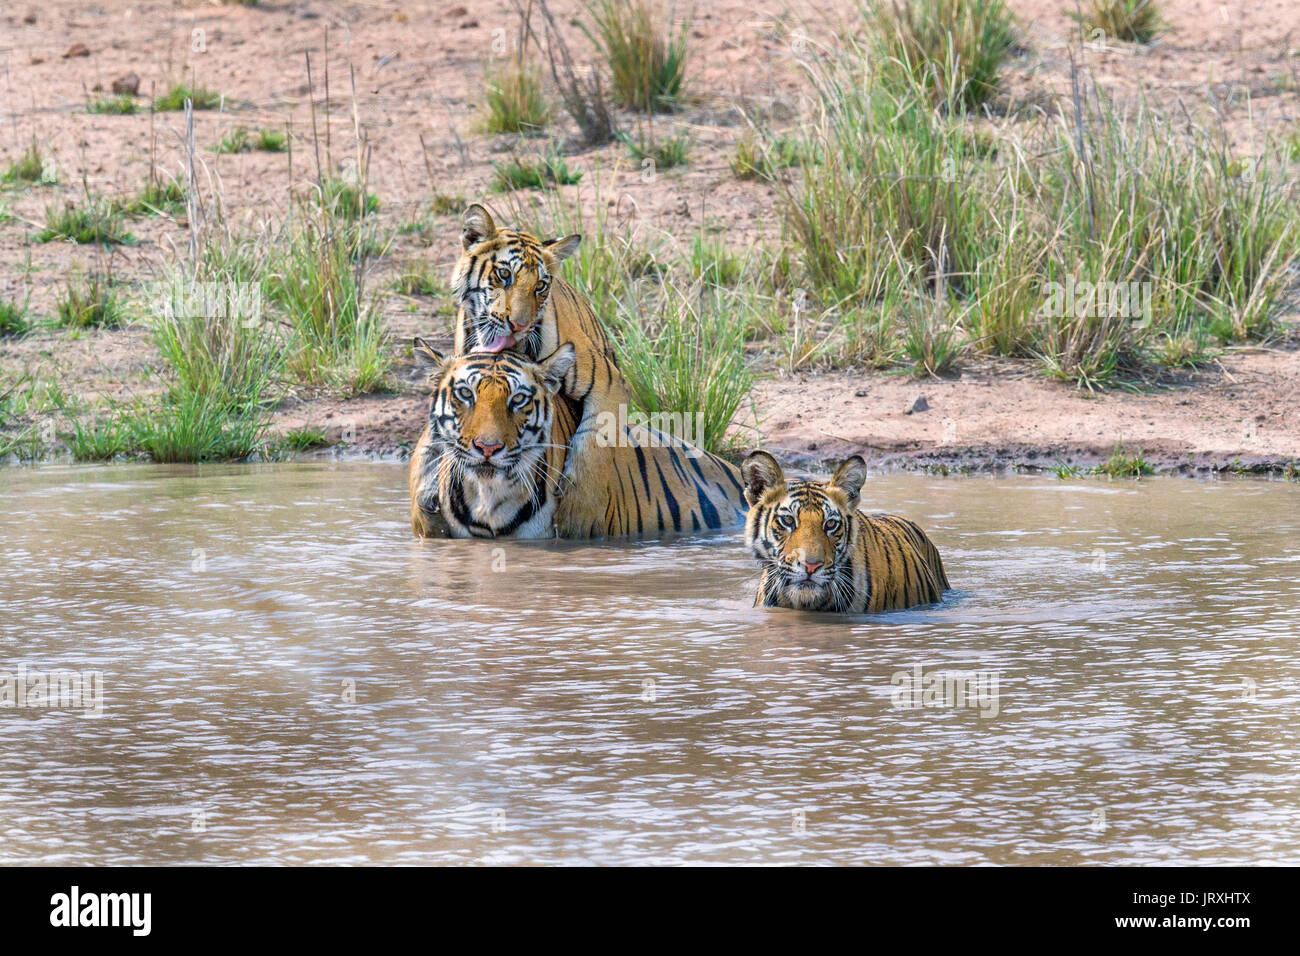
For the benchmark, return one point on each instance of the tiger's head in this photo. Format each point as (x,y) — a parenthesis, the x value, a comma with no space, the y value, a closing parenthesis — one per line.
(799,530)
(503,281)
(492,412)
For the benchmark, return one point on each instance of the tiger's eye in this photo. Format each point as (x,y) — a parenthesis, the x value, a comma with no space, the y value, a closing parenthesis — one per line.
(505,275)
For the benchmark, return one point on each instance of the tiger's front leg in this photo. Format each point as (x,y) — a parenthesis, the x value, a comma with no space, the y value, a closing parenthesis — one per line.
(427,520)
(581,511)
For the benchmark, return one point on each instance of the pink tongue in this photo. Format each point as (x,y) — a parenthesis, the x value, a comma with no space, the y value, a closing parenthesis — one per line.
(499,344)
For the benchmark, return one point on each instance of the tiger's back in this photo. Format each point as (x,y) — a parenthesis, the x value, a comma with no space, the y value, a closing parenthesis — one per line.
(899,565)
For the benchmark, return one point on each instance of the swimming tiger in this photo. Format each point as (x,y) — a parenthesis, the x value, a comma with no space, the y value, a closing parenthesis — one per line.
(510,297)
(820,553)
(490,463)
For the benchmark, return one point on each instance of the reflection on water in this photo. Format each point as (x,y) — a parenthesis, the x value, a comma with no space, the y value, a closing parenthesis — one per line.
(289,677)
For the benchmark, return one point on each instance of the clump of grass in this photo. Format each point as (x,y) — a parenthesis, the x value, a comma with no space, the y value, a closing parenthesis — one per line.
(538,172)
(418,277)
(336,332)
(200,97)
(301,439)
(90,302)
(931,337)
(346,199)
(213,331)
(1120,465)
(240,140)
(514,99)
(30,166)
(1063,471)
(684,355)
(98,439)
(662,154)
(96,220)
(756,158)
(158,198)
(1135,21)
(446,204)
(645,52)
(13,317)
(954,49)
(121,105)
(193,427)
(713,263)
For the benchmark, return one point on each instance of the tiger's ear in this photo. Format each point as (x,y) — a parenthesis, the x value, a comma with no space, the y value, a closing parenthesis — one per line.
(759,472)
(557,365)
(425,353)
(560,249)
(849,478)
(476,226)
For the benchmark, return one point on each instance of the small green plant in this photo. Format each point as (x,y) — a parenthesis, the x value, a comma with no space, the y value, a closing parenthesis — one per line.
(301,439)
(240,140)
(713,263)
(201,98)
(90,302)
(157,198)
(271,140)
(646,53)
(663,154)
(514,99)
(756,158)
(30,166)
(1120,465)
(96,220)
(417,277)
(539,172)
(347,200)
(1063,471)
(13,317)
(98,439)
(954,49)
(1135,21)
(121,105)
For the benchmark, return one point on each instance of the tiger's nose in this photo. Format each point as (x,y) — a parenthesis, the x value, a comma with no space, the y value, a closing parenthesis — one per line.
(518,328)
(811,566)
(488,449)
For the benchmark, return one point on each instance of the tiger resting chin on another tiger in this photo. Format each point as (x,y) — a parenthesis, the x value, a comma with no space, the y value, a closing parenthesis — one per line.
(490,462)
(820,553)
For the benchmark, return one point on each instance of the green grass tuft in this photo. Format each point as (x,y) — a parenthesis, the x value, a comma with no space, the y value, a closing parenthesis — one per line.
(97,220)
(200,97)
(646,53)
(539,172)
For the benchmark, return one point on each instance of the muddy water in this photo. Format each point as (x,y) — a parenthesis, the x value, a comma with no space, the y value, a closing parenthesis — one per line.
(288,677)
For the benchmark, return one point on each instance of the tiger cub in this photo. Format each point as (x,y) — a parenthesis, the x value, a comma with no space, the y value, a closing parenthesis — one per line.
(820,553)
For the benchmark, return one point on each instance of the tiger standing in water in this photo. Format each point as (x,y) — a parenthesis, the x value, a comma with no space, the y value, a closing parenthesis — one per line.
(625,480)
(820,553)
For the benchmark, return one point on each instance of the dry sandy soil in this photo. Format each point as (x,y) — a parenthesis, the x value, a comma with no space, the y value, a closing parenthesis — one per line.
(419,76)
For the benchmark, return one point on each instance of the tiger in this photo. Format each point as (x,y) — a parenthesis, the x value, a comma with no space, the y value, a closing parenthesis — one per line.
(820,553)
(487,464)
(510,296)
(490,462)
